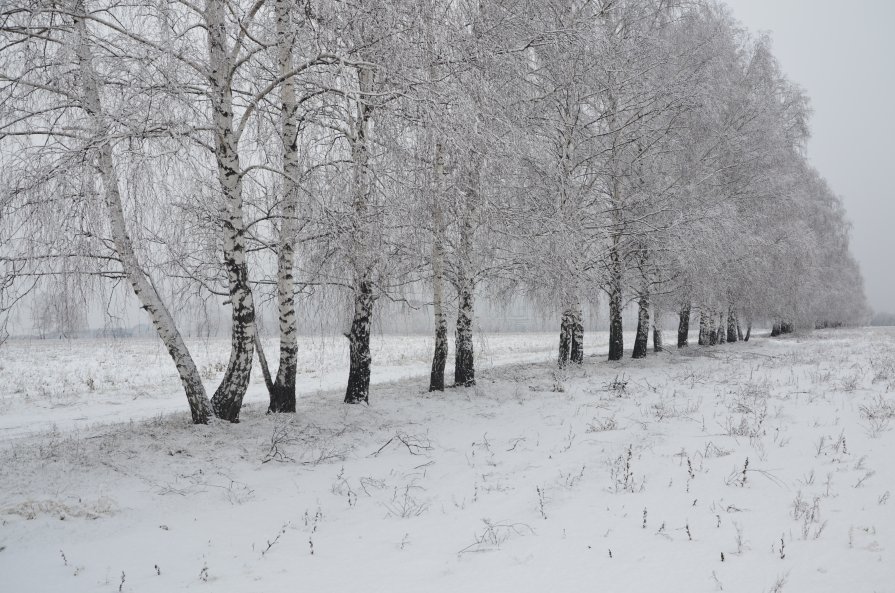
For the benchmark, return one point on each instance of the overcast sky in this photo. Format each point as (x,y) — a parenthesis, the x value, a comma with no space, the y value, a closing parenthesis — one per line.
(843,55)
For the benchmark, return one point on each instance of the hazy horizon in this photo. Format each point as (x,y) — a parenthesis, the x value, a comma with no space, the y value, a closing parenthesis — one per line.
(843,60)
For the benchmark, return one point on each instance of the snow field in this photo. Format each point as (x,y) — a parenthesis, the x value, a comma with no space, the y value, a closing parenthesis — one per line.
(627,476)
(73,384)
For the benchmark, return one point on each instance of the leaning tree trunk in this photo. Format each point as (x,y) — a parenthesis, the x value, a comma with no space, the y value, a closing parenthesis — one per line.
(282,391)
(641,341)
(150,300)
(358,389)
(576,353)
(439,357)
(739,332)
(227,400)
(616,340)
(683,327)
(732,325)
(748,331)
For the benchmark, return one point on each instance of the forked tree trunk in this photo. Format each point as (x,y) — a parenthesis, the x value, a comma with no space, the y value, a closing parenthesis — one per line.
(616,340)
(358,389)
(227,399)
(150,300)
(641,341)
(732,325)
(439,356)
(576,354)
(683,327)
(282,391)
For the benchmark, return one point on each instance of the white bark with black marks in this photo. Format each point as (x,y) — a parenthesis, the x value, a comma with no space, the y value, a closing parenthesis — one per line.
(150,300)
(282,391)
(440,354)
(464,358)
(227,399)
(358,388)
(641,340)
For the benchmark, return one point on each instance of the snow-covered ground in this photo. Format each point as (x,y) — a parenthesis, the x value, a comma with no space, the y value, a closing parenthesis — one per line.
(47,384)
(754,467)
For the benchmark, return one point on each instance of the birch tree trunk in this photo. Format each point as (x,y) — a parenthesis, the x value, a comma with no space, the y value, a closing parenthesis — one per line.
(439,357)
(565,338)
(704,330)
(227,399)
(683,327)
(641,341)
(712,329)
(358,389)
(162,321)
(732,325)
(616,340)
(464,360)
(282,392)
(576,354)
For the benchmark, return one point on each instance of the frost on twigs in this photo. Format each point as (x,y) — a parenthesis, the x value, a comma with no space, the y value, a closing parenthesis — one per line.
(495,534)
(877,415)
(415,444)
(622,473)
(618,387)
(308,445)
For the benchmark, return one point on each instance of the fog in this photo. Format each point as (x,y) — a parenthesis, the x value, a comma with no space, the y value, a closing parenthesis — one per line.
(842,55)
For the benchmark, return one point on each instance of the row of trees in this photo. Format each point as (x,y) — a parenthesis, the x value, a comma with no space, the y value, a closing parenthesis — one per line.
(267,150)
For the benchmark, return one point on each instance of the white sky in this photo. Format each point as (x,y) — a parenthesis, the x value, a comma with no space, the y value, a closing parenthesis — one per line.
(843,54)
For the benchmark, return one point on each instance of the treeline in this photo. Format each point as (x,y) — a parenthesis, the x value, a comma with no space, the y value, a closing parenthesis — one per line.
(254,151)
